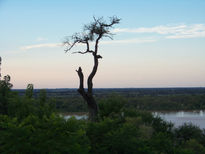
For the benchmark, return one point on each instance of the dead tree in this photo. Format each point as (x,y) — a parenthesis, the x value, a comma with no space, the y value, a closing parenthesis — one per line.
(92,32)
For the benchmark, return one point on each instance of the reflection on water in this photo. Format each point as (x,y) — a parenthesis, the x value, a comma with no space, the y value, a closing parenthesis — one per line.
(178,118)
(181,117)
(76,116)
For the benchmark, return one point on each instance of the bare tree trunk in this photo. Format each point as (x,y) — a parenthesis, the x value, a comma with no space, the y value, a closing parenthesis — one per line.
(92,108)
(88,97)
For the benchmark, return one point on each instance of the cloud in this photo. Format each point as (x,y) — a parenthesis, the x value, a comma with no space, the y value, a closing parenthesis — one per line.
(128,41)
(170,31)
(45,45)
(194,31)
(53,45)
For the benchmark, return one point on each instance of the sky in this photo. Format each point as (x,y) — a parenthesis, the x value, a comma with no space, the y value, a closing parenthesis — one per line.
(158,43)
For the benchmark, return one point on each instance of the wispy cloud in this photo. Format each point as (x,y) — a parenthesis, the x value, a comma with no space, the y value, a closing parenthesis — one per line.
(194,31)
(45,45)
(170,31)
(128,41)
(167,31)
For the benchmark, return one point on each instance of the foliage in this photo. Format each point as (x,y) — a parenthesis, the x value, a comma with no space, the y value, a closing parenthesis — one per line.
(32,125)
(139,132)
(194,146)
(111,106)
(43,135)
(5,88)
(29,91)
(167,102)
(189,131)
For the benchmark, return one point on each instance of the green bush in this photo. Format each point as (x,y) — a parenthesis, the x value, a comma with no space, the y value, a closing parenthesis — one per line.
(47,135)
(111,106)
(189,131)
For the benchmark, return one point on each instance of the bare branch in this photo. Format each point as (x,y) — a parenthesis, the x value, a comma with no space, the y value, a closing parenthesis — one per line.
(109,36)
(76,38)
(99,56)
(88,47)
(113,20)
(83,52)
(92,32)
(71,46)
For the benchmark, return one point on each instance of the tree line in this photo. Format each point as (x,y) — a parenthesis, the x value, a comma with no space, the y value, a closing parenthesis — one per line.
(31,124)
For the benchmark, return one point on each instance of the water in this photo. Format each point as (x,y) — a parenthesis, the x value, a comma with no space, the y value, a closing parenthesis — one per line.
(178,118)
(76,116)
(181,117)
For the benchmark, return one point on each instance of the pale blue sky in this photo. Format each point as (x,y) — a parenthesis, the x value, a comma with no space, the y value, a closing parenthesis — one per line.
(159,43)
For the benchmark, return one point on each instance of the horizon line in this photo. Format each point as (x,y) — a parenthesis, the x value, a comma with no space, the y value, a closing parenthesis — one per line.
(114,88)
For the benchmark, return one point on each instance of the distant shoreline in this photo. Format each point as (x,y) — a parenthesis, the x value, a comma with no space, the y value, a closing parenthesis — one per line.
(117,88)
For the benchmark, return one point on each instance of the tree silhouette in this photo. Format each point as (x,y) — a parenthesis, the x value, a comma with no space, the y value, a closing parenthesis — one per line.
(92,32)
(29,91)
(5,87)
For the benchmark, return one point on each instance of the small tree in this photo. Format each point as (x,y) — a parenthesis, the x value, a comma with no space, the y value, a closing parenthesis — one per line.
(5,84)
(5,87)
(29,91)
(93,32)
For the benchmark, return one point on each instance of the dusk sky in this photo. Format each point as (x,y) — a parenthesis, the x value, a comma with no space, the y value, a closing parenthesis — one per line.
(158,43)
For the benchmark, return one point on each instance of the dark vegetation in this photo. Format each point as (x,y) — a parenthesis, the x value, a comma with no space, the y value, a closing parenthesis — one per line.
(151,99)
(29,123)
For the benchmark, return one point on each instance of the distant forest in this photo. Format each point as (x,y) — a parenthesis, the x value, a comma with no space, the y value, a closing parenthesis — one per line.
(151,99)
(31,121)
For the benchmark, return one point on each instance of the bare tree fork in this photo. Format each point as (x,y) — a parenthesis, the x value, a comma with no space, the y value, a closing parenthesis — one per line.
(92,32)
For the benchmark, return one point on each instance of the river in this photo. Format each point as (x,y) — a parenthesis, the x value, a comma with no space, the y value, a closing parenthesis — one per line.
(178,118)
(181,117)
